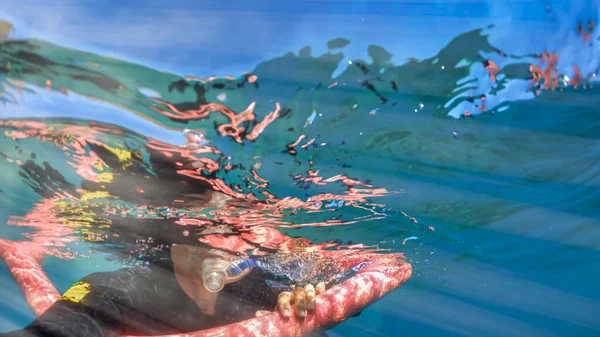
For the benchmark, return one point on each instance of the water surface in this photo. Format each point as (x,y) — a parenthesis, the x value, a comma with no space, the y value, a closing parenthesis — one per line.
(351,144)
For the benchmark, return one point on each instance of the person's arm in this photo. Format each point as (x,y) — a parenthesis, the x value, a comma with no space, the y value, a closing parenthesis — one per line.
(188,266)
(96,306)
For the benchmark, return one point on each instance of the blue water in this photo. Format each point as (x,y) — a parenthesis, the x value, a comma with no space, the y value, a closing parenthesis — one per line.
(513,198)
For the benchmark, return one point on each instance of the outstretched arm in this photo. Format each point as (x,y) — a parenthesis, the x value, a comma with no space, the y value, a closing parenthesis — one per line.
(96,306)
(81,311)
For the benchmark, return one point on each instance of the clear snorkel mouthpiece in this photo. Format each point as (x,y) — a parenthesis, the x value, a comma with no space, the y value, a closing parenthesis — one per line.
(216,273)
(214,281)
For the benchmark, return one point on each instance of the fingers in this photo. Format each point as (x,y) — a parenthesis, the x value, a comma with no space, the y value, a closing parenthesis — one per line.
(283,304)
(260,313)
(299,298)
(304,300)
(320,288)
(311,297)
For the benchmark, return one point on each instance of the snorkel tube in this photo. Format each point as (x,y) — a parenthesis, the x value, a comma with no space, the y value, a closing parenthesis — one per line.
(376,277)
(217,272)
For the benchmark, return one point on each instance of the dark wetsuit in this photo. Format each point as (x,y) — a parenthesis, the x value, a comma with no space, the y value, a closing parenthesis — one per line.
(146,300)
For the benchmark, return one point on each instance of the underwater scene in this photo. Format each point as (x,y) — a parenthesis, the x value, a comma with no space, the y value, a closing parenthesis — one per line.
(299,168)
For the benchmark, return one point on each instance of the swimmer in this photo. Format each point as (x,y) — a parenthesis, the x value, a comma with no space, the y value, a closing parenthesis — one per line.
(492,69)
(576,80)
(586,35)
(549,75)
(553,59)
(550,59)
(537,73)
(168,297)
(482,105)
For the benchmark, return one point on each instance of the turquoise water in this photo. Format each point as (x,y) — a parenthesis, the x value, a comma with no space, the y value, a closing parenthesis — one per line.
(505,238)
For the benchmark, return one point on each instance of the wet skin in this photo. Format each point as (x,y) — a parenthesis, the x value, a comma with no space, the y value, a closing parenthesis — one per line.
(188,273)
(166,297)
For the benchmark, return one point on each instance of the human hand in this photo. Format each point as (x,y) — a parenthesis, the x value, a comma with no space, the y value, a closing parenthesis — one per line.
(303,298)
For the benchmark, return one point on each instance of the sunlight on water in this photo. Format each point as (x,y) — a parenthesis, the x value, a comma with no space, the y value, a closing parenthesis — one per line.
(479,164)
